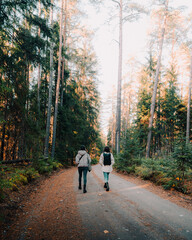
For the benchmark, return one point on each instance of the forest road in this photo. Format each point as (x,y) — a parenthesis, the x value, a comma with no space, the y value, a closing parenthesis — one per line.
(129,211)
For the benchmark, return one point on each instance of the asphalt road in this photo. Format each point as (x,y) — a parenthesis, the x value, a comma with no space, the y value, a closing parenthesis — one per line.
(129,211)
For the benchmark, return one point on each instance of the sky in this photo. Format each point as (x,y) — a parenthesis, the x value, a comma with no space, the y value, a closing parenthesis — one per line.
(105,43)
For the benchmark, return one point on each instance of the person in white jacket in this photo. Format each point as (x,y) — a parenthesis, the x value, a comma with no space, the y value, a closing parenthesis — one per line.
(83,160)
(106,161)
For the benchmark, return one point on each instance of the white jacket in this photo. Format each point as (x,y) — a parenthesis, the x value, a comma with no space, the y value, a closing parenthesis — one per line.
(107,168)
(85,160)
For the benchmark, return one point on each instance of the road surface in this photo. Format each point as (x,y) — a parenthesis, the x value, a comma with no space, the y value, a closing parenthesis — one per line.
(55,209)
(129,211)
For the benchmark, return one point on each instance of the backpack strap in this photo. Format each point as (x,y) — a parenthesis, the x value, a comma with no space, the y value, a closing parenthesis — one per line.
(81,156)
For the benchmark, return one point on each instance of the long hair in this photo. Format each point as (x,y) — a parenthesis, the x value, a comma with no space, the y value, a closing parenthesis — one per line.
(106,149)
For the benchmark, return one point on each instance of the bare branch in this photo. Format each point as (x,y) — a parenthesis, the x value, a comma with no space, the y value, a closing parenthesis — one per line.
(116,2)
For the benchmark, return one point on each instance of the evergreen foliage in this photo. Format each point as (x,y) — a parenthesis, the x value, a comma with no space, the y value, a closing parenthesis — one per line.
(171,161)
(183,155)
(22,126)
(129,157)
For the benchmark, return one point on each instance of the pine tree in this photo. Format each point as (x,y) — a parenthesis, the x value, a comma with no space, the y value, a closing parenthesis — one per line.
(58,84)
(156,82)
(46,153)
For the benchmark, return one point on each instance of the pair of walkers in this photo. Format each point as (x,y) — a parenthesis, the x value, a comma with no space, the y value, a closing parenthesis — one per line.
(83,160)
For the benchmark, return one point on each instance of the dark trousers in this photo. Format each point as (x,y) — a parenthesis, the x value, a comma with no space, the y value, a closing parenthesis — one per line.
(83,170)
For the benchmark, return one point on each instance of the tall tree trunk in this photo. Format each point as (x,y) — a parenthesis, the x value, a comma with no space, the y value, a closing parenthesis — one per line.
(39,70)
(156,82)
(15,143)
(2,142)
(159,124)
(46,150)
(118,114)
(189,104)
(127,125)
(58,84)
(64,46)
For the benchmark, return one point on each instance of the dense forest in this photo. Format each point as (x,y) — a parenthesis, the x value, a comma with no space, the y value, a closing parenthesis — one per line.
(49,94)
(155,97)
(48,74)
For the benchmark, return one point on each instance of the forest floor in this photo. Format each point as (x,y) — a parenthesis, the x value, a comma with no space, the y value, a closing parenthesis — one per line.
(46,209)
(54,209)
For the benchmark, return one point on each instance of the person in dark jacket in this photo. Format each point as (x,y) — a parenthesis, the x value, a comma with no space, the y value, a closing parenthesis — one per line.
(83,160)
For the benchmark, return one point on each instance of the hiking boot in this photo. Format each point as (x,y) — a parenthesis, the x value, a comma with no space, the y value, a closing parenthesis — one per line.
(105,185)
(84,189)
(80,187)
(107,188)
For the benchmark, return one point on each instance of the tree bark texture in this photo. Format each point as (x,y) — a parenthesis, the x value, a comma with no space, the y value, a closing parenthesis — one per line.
(189,104)
(64,46)
(118,113)
(58,84)
(39,70)
(46,150)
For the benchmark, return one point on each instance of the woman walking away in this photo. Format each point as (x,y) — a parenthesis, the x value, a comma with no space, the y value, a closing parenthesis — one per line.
(83,160)
(106,161)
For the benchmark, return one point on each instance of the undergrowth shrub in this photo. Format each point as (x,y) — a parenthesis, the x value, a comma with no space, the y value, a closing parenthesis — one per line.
(94,161)
(126,164)
(144,172)
(167,171)
(183,156)
(13,177)
(46,166)
(127,160)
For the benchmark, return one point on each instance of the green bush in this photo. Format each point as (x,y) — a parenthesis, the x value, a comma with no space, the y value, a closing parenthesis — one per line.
(94,161)
(31,174)
(172,171)
(144,172)
(127,159)
(130,169)
(46,166)
(126,164)
(13,177)
(164,171)
(183,156)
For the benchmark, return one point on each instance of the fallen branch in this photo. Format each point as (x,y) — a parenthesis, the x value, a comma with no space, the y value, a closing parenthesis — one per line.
(17,161)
